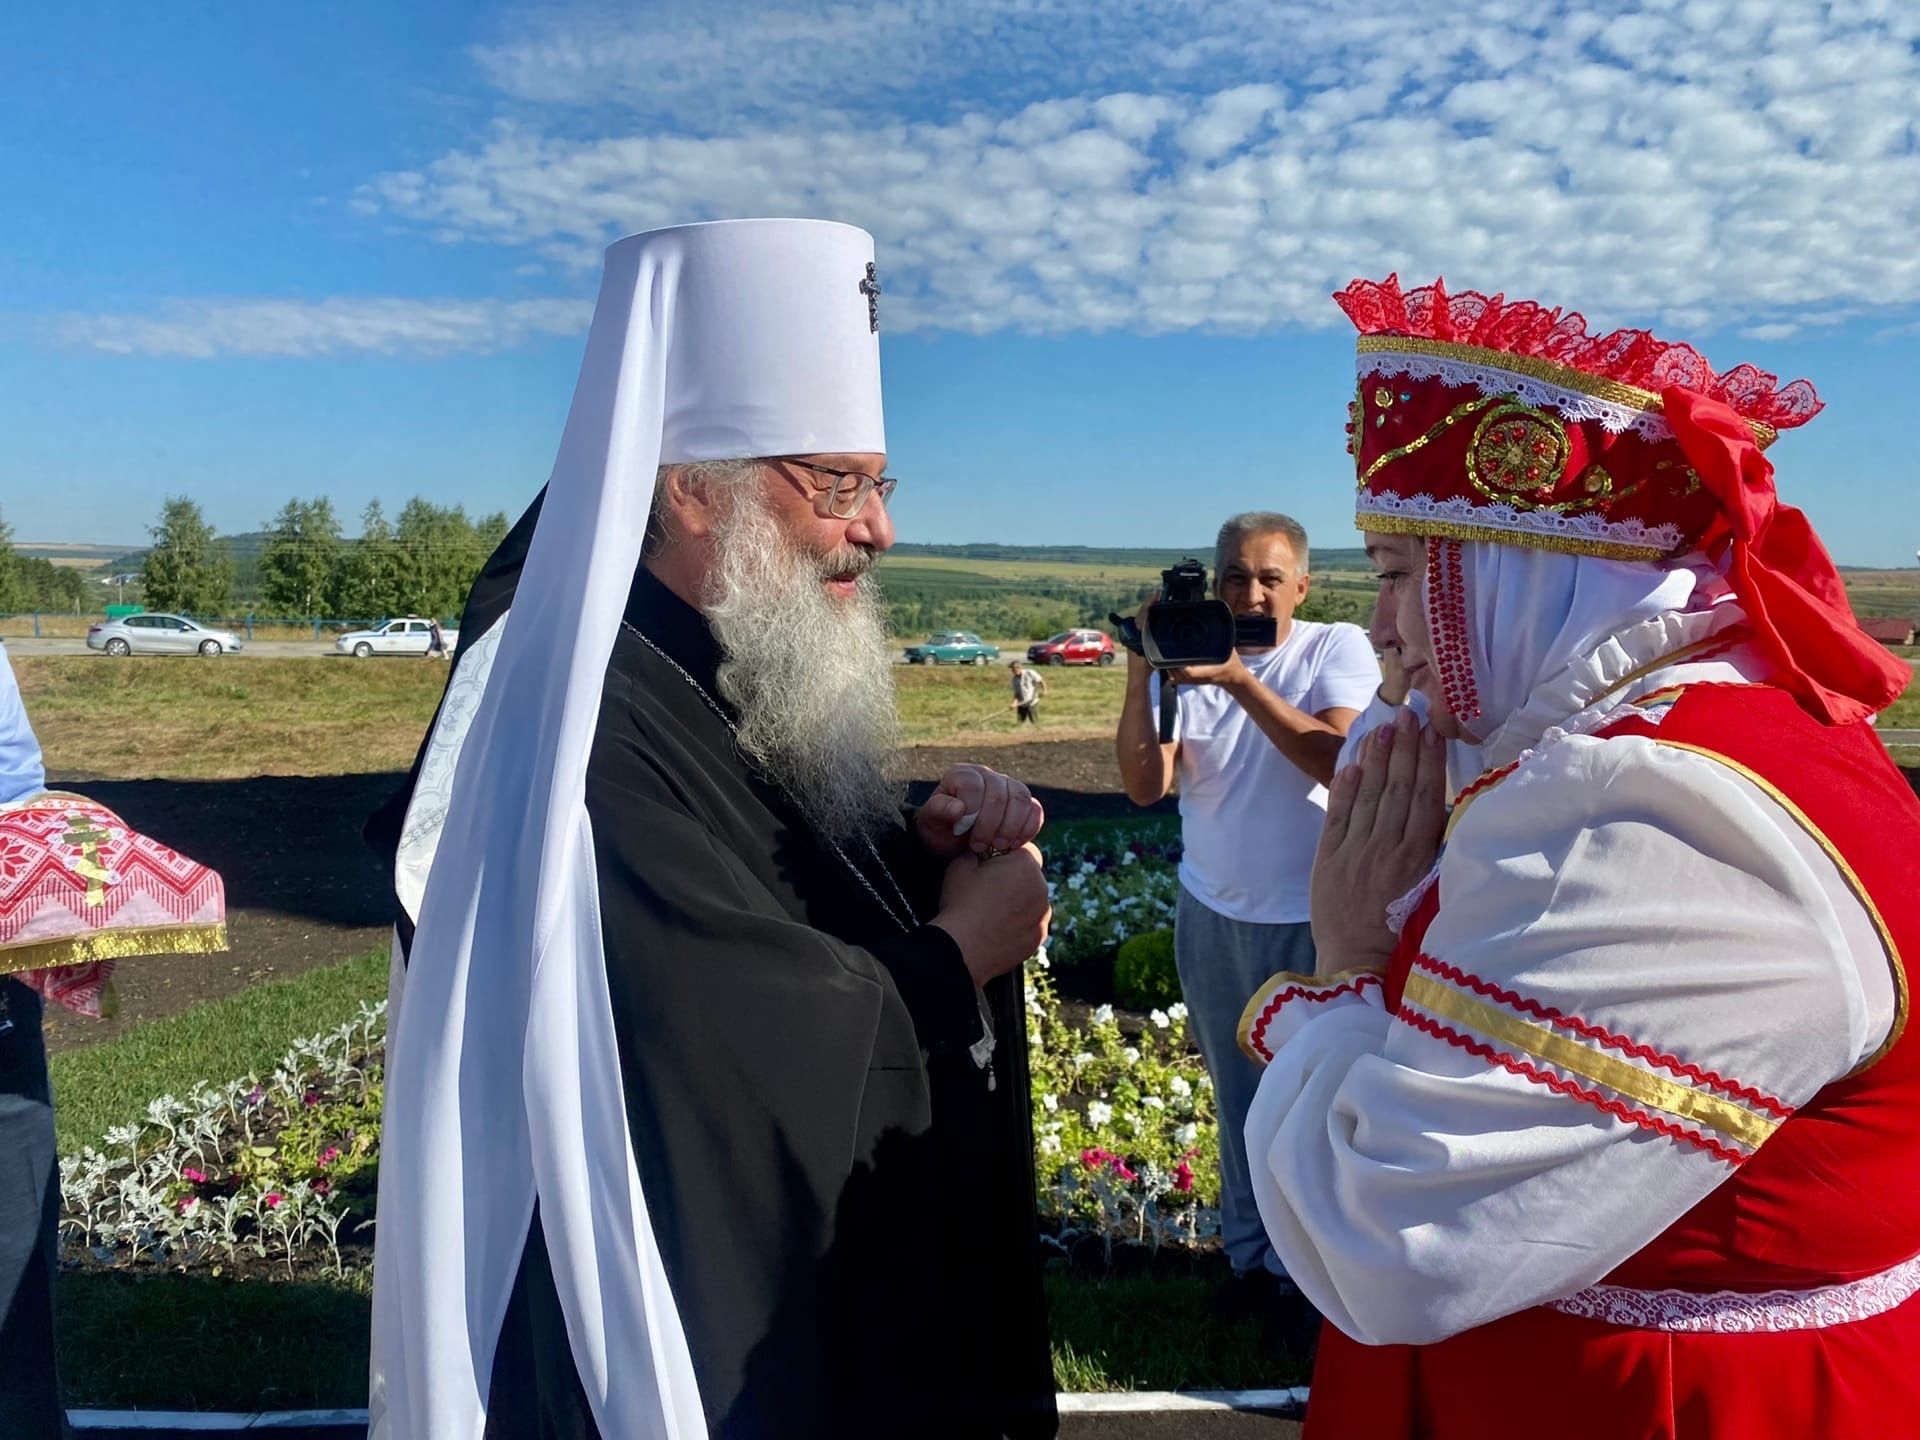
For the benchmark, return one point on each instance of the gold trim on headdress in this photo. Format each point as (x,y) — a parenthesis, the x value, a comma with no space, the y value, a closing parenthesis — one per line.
(1545,371)
(1384,524)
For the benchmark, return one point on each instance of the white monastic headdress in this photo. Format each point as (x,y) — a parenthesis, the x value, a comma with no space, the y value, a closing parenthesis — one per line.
(729,340)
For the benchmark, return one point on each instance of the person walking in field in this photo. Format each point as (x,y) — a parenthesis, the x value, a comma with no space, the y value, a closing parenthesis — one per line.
(436,641)
(1028,687)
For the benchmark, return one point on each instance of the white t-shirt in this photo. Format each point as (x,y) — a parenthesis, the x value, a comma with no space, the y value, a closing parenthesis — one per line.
(1249,817)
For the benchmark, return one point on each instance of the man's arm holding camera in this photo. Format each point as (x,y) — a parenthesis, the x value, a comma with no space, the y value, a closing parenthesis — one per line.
(1146,765)
(1311,741)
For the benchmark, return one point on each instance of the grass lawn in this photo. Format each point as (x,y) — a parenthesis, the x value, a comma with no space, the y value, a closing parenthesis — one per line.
(963,704)
(198,1342)
(1904,713)
(224,1040)
(191,720)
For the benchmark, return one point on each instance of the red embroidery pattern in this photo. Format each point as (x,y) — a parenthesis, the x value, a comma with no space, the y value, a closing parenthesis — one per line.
(1525,327)
(1447,622)
(1602,1036)
(1257,1032)
(1562,1086)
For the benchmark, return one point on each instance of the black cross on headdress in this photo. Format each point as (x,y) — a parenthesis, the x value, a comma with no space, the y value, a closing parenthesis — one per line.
(870,287)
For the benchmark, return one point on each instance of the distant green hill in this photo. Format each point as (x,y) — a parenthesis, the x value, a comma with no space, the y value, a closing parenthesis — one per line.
(1112,557)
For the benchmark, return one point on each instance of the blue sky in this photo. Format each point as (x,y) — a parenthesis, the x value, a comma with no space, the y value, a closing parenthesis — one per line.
(252,254)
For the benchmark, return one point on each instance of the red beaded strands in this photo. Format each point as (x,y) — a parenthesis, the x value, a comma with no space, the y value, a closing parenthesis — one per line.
(1447,623)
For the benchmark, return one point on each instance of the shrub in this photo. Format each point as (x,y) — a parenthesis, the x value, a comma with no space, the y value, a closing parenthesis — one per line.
(1144,977)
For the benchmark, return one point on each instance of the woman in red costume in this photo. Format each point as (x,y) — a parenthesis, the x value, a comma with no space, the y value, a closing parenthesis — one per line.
(1598,1119)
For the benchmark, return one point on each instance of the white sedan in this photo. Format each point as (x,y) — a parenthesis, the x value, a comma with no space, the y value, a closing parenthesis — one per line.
(410,636)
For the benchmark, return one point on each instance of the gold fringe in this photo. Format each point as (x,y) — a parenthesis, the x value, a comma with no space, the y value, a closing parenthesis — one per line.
(114,945)
(1564,376)
(1493,534)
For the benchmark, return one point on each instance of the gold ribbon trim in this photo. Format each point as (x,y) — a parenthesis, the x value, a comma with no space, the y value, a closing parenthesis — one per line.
(1564,377)
(1459,530)
(114,945)
(1694,1106)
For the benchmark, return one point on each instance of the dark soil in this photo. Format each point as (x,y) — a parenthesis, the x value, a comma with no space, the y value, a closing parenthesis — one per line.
(304,891)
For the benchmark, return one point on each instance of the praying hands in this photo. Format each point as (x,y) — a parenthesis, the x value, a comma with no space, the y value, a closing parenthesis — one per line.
(1386,813)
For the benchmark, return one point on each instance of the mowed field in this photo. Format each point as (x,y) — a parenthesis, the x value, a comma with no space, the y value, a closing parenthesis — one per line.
(188,719)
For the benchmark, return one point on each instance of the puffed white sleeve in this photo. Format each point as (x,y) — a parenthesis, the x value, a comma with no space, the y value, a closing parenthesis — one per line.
(1641,964)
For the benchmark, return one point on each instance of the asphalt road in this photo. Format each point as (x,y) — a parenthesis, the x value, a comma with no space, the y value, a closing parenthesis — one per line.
(271,649)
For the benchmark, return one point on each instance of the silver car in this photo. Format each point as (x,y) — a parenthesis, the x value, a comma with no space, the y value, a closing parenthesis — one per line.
(409,635)
(160,635)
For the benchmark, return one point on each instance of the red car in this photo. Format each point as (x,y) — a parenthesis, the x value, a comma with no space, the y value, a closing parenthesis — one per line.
(1073,647)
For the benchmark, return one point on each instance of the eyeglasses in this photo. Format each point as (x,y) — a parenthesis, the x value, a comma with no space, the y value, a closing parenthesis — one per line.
(848,492)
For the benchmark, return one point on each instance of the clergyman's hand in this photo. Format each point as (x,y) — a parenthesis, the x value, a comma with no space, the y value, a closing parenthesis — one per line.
(1386,814)
(976,810)
(996,910)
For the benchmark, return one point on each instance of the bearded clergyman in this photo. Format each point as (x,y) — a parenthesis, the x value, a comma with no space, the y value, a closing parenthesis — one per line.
(708,1109)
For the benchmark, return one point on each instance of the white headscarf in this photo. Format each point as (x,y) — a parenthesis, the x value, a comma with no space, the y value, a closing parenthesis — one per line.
(22,771)
(1534,616)
(723,341)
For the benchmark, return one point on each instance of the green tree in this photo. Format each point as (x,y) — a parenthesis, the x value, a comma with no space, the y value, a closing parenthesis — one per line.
(438,554)
(298,564)
(188,569)
(12,596)
(367,584)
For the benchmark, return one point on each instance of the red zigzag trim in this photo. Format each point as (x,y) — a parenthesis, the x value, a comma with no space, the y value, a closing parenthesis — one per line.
(1605,1037)
(1567,1087)
(1256,1032)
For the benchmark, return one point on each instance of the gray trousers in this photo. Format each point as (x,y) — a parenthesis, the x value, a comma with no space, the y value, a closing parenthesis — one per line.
(1221,963)
(29,1208)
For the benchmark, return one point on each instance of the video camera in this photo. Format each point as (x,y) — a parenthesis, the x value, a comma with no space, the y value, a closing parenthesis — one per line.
(1184,627)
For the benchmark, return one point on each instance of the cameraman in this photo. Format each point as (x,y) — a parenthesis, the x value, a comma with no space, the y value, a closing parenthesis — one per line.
(1255,744)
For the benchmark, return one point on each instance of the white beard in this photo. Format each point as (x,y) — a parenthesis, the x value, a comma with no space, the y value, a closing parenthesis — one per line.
(810,674)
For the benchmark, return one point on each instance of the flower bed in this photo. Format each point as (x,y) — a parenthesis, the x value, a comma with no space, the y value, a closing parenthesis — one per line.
(273,1174)
(277,1174)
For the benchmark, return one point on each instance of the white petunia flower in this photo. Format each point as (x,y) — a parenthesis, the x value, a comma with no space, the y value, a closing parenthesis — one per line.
(1099,1114)
(1176,1011)
(1103,1015)
(1160,1019)
(1186,1134)
(1133,1055)
(1049,1102)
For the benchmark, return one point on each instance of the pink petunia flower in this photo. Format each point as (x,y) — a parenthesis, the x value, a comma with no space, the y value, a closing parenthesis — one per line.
(189,1204)
(272,1199)
(1183,1176)
(329,1155)
(197,1177)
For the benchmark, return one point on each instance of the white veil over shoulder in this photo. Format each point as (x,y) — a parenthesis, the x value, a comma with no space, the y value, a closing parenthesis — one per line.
(720,341)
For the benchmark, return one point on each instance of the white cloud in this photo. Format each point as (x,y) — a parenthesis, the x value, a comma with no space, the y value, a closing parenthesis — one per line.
(1704,164)
(202,329)
(1158,165)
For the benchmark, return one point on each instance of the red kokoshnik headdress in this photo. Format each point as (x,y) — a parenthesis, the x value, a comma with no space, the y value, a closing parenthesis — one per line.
(1479,418)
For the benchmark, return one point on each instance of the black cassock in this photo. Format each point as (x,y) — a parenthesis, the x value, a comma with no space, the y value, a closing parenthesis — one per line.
(845,1208)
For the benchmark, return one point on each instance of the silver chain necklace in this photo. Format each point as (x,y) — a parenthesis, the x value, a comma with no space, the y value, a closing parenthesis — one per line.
(904,917)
